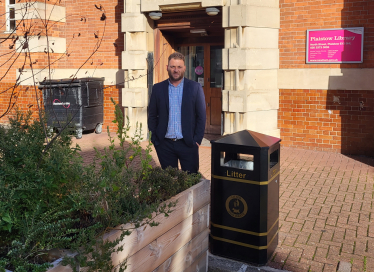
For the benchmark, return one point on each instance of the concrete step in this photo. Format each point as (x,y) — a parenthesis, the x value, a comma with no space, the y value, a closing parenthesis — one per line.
(220,264)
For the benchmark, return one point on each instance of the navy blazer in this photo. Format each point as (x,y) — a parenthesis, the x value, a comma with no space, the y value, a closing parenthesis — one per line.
(193,112)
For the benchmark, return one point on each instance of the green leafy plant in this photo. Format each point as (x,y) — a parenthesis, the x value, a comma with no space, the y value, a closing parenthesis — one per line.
(50,202)
(32,178)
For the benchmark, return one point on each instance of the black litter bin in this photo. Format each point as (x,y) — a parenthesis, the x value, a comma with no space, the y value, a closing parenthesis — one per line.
(79,100)
(245,197)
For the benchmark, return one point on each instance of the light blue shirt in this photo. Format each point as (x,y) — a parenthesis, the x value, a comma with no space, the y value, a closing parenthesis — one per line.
(175,111)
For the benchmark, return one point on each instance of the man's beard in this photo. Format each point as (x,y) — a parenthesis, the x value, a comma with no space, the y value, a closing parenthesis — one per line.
(175,79)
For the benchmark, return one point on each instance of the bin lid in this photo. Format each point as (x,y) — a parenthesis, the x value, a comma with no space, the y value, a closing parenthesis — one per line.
(70,81)
(248,138)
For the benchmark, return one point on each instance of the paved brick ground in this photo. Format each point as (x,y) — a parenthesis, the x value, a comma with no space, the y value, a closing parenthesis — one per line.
(326,211)
(326,207)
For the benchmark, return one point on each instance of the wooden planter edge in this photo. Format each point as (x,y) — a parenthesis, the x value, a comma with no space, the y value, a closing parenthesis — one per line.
(189,203)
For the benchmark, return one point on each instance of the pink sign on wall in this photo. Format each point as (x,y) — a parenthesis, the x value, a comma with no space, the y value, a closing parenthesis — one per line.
(335,45)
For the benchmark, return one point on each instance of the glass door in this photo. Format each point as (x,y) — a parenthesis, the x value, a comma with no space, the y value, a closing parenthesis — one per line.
(194,58)
(204,65)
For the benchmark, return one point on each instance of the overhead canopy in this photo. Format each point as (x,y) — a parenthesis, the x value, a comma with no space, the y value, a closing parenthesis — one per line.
(178,26)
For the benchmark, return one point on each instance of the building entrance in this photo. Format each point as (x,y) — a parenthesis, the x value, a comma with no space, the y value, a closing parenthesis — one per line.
(199,38)
(204,65)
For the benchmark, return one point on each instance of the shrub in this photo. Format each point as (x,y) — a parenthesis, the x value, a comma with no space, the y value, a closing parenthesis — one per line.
(49,200)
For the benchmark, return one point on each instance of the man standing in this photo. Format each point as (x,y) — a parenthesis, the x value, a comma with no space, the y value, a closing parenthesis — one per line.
(176,117)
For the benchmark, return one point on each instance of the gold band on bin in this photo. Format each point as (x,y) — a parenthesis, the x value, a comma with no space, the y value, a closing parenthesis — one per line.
(247,181)
(244,244)
(246,231)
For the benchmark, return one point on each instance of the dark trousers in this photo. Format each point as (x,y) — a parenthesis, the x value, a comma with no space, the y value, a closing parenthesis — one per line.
(169,152)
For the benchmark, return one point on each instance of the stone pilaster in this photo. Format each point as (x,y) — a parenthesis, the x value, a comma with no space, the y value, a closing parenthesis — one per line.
(134,62)
(250,99)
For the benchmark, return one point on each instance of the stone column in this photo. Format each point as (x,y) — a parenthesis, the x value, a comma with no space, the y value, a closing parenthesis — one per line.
(250,99)
(134,61)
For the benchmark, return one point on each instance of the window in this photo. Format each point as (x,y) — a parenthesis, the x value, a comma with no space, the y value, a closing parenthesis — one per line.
(10,15)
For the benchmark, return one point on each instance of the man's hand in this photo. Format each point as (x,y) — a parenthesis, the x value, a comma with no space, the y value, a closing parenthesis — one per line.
(197,144)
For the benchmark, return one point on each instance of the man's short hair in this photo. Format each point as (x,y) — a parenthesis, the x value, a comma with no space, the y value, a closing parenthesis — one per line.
(176,55)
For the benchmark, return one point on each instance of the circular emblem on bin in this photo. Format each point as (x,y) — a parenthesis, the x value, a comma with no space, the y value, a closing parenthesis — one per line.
(236,206)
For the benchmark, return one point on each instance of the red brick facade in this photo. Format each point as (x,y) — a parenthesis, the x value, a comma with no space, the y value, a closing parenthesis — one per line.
(22,97)
(310,118)
(83,22)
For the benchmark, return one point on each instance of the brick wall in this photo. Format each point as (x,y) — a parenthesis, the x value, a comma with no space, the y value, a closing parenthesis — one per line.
(310,118)
(22,97)
(115,93)
(111,47)
(82,23)
(297,16)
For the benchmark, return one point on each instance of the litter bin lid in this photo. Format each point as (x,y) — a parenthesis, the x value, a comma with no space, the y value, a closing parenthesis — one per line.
(70,81)
(248,138)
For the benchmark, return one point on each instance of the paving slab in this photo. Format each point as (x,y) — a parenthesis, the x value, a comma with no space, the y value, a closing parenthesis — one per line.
(344,267)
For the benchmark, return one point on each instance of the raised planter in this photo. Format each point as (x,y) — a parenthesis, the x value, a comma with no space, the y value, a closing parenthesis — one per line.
(179,243)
